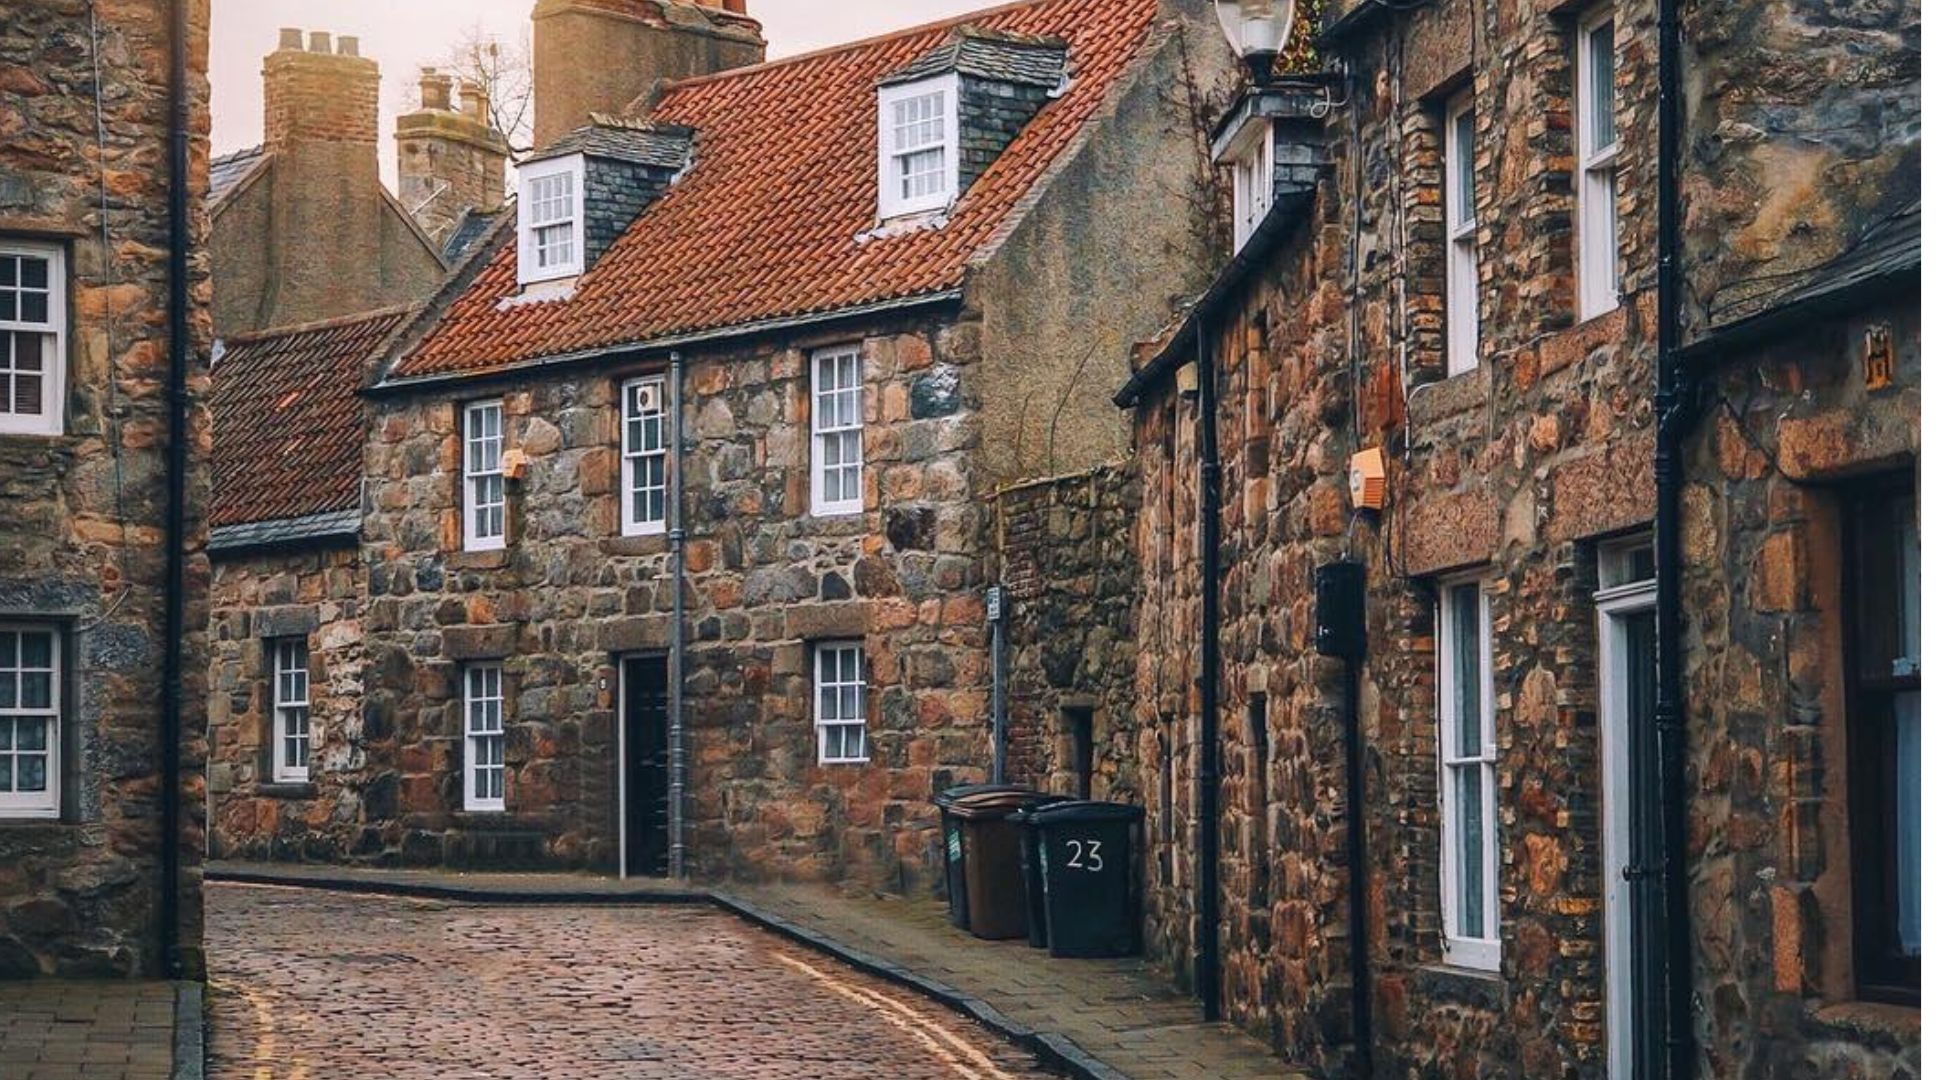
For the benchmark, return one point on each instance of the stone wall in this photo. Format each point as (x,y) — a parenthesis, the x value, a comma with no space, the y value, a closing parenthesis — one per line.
(765,580)
(318,594)
(1516,472)
(82,515)
(1068,563)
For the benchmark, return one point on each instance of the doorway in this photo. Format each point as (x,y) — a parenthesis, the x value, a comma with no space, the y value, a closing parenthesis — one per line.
(643,765)
(1629,677)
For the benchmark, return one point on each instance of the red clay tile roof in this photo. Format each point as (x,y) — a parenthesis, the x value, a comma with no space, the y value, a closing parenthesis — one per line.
(766,225)
(287,419)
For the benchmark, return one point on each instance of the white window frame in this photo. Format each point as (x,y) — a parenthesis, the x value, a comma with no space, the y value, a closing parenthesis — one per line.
(1598,183)
(1252,185)
(530,270)
(483,738)
(484,468)
(1623,597)
(54,350)
(292,718)
(1460,949)
(1460,227)
(892,202)
(841,431)
(645,400)
(47,802)
(845,712)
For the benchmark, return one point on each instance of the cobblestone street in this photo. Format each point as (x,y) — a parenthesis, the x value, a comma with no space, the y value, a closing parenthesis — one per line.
(308,984)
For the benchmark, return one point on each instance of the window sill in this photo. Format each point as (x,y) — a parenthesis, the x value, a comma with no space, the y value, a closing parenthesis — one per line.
(1566,347)
(286,789)
(14,819)
(647,543)
(1864,1020)
(1436,401)
(488,559)
(1462,985)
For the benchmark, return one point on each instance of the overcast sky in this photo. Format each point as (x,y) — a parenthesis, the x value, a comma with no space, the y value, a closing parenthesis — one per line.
(402,35)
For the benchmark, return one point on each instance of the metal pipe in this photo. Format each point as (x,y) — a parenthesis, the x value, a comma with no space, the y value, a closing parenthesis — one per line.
(177,469)
(1361,999)
(676,655)
(1208,960)
(1671,408)
(997,615)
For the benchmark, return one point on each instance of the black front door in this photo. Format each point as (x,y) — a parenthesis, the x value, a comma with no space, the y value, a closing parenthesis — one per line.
(645,690)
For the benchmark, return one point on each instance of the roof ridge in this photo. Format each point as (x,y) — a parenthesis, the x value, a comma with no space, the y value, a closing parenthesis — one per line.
(266,333)
(947,23)
(238,155)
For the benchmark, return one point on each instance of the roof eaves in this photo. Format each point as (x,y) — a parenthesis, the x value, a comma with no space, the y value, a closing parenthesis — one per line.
(391,385)
(310,529)
(1288,212)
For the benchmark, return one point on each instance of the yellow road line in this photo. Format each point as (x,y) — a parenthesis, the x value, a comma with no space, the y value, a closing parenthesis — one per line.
(935,1036)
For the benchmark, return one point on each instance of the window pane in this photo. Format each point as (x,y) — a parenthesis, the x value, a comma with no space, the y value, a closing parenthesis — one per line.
(1467,662)
(9,694)
(9,270)
(1906,762)
(32,734)
(9,306)
(34,273)
(33,772)
(1599,45)
(6,773)
(34,307)
(6,734)
(1470,851)
(36,690)
(1466,188)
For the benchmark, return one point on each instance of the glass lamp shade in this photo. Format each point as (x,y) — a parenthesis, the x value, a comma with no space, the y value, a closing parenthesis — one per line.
(1255,28)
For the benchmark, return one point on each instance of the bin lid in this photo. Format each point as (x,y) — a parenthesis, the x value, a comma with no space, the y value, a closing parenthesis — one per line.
(989,805)
(953,794)
(1083,810)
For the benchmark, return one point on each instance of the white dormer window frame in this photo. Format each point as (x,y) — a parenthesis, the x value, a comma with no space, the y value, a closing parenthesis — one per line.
(551,219)
(1252,183)
(918,146)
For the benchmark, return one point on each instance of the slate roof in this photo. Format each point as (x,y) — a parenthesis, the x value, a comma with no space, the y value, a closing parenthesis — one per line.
(468,231)
(663,146)
(1015,58)
(771,221)
(287,419)
(228,171)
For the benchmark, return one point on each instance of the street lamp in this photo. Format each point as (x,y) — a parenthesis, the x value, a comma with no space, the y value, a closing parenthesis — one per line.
(1257,31)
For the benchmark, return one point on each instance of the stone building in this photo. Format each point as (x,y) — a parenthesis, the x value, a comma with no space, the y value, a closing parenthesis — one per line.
(302,229)
(450,162)
(779,334)
(1445,291)
(102,573)
(287,770)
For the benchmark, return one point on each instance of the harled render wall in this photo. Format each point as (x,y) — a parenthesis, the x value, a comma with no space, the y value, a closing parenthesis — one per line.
(82,515)
(765,581)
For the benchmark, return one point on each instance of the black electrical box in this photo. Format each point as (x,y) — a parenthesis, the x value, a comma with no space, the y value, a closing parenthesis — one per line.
(1340,604)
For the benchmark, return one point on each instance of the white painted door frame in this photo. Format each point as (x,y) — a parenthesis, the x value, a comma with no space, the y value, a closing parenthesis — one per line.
(1617,608)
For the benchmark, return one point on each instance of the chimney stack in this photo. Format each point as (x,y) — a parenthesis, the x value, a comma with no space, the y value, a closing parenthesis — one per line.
(451,160)
(602,55)
(317,96)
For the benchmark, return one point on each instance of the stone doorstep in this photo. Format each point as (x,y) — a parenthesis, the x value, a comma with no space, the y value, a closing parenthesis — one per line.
(1055,1050)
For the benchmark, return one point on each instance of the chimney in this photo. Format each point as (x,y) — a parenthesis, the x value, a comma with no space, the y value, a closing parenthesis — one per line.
(599,56)
(451,160)
(314,95)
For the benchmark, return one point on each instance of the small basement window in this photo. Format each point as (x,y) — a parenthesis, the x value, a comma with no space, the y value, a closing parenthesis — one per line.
(550,220)
(918,132)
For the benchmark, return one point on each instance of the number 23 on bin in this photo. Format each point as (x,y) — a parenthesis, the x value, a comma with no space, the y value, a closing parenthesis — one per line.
(1085,855)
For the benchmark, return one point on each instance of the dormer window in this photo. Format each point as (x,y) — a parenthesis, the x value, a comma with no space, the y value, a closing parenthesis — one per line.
(1252,184)
(918,131)
(550,220)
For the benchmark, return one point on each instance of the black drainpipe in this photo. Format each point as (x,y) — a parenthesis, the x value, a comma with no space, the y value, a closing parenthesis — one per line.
(177,469)
(676,656)
(1357,859)
(1208,965)
(1671,408)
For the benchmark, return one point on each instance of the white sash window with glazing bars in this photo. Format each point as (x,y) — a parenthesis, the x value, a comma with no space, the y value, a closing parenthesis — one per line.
(1599,148)
(1469,781)
(483,477)
(836,431)
(30,721)
(292,723)
(840,706)
(643,456)
(483,737)
(33,325)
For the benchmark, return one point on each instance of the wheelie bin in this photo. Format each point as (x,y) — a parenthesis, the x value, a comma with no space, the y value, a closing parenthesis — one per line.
(996,900)
(1087,854)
